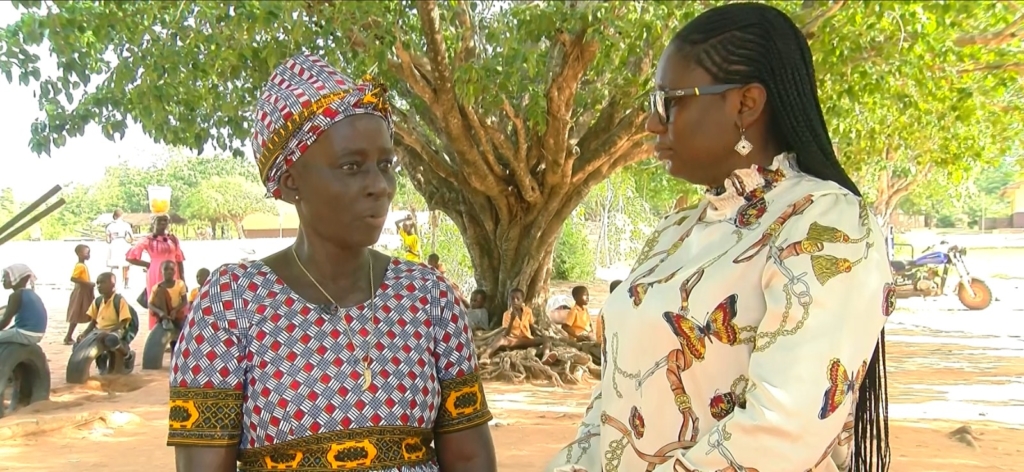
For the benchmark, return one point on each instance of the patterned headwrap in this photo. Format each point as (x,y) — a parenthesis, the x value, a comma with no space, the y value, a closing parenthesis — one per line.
(302,99)
(15,273)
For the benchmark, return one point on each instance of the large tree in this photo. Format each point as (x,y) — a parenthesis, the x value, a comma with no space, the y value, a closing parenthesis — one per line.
(915,88)
(508,112)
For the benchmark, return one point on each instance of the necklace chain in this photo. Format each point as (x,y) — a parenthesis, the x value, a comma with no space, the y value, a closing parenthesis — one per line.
(372,305)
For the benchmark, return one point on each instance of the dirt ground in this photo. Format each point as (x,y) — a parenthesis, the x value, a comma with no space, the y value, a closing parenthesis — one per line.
(108,423)
(531,424)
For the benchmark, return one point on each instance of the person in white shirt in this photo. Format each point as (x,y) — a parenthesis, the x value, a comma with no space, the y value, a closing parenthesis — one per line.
(119,241)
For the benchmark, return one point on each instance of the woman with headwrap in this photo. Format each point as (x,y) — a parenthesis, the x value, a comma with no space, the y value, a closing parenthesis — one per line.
(23,306)
(327,355)
(162,246)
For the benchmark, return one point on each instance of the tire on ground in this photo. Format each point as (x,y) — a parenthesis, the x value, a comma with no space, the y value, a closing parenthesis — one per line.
(83,357)
(29,362)
(157,342)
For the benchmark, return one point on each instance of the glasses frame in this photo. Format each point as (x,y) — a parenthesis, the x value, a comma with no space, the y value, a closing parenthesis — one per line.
(660,99)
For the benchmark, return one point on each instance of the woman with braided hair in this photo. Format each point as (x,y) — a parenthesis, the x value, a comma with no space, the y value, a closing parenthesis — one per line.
(749,333)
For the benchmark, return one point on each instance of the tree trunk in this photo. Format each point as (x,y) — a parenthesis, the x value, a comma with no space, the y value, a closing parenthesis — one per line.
(890,189)
(239,228)
(518,258)
(506,181)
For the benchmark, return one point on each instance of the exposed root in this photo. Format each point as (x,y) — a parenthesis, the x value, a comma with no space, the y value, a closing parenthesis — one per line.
(576,363)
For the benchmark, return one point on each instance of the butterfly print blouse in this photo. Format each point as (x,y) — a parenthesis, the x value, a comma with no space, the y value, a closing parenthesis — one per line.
(740,338)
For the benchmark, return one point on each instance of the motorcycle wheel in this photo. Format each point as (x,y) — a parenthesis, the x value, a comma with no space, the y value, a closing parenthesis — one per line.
(982,295)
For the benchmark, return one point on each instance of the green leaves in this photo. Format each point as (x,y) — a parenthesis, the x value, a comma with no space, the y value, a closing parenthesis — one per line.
(931,81)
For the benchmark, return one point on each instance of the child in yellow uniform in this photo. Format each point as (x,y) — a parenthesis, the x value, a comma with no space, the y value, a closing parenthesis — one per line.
(201,277)
(518,324)
(599,322)
(82,295)
(577,324)
(111,314)
(410,241)
(168,300)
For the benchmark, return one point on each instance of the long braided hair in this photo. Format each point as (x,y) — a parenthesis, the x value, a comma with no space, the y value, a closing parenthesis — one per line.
(743,43)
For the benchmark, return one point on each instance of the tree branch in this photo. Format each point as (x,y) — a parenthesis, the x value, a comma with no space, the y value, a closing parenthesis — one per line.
(578,54)
(517,161)
(522,143)
(809,28)
(572,199)
(432,159)
(478,176)
(612,151)
(437,53)
(467,48)
(483,140)
(605,139)
(436,190)
(1011,32)
(1015,67)
(405,69)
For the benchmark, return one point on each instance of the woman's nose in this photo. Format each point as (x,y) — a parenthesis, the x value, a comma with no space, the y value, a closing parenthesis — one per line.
(654,124)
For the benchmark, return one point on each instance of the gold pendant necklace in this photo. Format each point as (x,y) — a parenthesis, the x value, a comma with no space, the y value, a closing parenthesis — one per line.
(372,305)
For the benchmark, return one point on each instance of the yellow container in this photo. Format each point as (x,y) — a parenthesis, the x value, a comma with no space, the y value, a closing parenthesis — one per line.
(159,199)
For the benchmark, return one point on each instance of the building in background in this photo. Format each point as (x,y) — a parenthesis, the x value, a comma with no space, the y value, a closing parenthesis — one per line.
(1013,193)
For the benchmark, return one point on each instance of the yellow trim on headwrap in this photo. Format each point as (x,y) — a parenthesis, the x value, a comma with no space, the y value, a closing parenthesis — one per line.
(281,136)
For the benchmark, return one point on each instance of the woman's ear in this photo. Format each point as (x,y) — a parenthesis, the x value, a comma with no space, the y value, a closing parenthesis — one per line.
(753,98)
(288,186)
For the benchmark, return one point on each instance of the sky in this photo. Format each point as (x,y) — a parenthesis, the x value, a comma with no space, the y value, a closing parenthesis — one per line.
(80,161)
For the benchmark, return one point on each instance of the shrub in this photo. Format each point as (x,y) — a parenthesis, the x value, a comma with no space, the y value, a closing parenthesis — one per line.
(573,257)
(447,243)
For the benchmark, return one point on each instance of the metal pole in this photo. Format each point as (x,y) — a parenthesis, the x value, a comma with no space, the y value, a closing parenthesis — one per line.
(31,221)
(29,209)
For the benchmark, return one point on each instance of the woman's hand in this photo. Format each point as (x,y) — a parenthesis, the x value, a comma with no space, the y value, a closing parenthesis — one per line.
(206,459)
(470,450)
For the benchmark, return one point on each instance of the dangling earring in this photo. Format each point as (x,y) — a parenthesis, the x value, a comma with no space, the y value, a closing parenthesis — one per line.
(743,147)
(296,198)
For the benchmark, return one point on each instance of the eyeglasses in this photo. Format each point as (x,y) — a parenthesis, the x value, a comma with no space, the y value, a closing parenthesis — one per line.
(661,99)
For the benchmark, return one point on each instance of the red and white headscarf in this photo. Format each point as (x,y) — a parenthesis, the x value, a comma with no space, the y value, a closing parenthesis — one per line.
(302,99)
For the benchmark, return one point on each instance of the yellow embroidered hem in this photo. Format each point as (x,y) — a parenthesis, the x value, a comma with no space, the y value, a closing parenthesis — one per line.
(463,405)
(204,417)
(353,450)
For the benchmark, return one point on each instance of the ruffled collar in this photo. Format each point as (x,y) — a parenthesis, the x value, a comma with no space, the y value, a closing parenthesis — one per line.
(746,185)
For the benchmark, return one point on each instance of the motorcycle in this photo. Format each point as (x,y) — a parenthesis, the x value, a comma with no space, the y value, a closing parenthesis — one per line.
(926,276)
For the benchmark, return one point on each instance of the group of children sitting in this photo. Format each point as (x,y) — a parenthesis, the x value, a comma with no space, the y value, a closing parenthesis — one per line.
(109,312)
(518,323)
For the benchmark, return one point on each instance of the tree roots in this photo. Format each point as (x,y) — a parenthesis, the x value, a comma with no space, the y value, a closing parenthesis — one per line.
(577,362)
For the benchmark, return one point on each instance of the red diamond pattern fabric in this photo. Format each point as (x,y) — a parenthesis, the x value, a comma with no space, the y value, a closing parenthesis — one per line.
(297,371)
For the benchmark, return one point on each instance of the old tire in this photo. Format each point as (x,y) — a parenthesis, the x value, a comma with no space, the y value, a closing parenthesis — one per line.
(156,343)
(88,352)
(982,295)
(24,376)
(83,356)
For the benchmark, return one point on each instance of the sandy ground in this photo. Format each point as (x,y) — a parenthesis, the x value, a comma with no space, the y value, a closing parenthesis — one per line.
(948,368)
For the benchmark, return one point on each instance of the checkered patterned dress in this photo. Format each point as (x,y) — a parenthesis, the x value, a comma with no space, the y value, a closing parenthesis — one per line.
(260,368)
